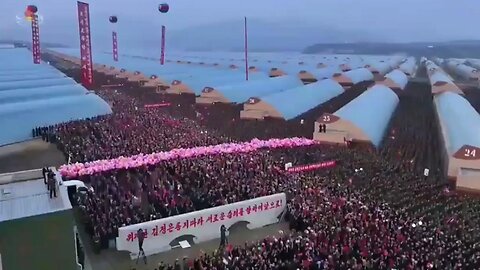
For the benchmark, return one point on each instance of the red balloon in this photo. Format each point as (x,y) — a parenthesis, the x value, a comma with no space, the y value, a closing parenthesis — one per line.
(32,8)
(163,8)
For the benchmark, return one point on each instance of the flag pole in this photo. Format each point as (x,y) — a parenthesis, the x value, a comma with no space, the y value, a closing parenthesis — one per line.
(246,50)
(162,53)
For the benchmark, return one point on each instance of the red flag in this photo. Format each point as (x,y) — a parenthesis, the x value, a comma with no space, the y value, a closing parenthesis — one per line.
(35,40)
(85,43)
(115,46)
(246,49)
(162,53)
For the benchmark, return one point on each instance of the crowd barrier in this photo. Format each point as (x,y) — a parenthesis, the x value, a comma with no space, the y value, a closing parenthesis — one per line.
(203,225)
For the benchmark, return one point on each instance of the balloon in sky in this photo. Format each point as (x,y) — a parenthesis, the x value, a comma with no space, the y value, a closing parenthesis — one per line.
(28,15)
(113,19)
(163,8)
(32,8)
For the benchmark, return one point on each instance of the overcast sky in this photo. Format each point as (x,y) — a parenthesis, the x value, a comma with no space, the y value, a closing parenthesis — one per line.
(394,20)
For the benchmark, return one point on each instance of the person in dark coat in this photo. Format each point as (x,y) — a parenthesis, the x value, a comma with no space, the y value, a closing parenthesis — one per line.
(52,185)
(44,174)
(223,236)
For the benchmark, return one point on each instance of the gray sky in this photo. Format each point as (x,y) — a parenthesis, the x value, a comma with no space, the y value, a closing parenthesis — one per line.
(392,20)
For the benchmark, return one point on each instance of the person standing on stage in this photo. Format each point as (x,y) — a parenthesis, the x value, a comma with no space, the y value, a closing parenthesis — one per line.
(223,236)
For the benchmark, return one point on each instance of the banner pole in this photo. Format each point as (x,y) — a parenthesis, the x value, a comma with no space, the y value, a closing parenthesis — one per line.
(115,46)
(246,50)
(162,53)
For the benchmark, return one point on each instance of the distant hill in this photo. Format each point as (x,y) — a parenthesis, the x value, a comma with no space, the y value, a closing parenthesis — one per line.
(263,36)
(457,49)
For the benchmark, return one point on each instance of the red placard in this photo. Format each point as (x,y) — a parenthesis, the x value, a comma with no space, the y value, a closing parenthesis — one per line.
(162,53)
(85,43)
(115,46)
(35,40)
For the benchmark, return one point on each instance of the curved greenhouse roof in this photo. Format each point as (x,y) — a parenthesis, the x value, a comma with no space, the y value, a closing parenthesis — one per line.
(295,101)
(371,112)
(353,76)
(22,117)
(319,73)
(459,120)
(35,83)
(380,68)
(396,79)
(167,73)
(440,77)
(462,70)
(30,76)
(23,95)
(242,91)
(409,66)
(198,83)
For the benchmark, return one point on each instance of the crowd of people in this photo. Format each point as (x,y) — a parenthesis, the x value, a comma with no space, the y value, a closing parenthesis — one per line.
(374,210)
(131,129)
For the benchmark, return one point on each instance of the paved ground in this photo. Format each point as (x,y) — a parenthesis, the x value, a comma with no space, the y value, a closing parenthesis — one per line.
(32,154)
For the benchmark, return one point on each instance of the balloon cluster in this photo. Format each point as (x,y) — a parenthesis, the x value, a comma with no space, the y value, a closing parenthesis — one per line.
(163,8)
(93,167)
(30,12)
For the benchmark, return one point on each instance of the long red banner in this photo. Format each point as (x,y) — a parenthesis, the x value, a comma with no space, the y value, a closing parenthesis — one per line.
(85,44)
(35,40)
(115,46)
(311,167)
(162,53)
(166,104)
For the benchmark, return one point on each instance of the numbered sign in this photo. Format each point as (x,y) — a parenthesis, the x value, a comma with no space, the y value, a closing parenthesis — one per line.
(327,118)
(253,100)
(468,152)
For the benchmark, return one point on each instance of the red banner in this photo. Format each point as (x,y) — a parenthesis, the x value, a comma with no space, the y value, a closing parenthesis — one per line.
(35,40)
(311,167)
(85,44)
(162,53)
(156,105)
(115,46)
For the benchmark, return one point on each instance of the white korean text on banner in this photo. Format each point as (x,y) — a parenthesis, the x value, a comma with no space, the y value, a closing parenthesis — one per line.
(85,44)
(35,40)
(115,46)
(203,225)
(162,53)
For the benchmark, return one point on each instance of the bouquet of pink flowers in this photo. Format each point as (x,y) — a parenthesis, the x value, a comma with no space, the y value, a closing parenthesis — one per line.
(88,168)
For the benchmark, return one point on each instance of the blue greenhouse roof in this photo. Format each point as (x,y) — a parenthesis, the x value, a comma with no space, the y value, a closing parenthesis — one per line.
(324,73)
(398,77)
(371,111)
(295,101)
(29,94)
(359,75)
(30,76)
(35,83)
(22,117)
(242,91)
(460,121)
(198,83)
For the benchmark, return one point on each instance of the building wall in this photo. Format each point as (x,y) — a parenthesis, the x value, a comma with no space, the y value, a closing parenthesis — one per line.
(39,242)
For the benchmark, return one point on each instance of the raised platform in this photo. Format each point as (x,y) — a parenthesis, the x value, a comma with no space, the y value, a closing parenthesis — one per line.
(29,155)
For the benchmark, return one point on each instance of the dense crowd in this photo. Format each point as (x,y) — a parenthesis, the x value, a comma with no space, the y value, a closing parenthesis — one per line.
(131,129)
(374,210)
